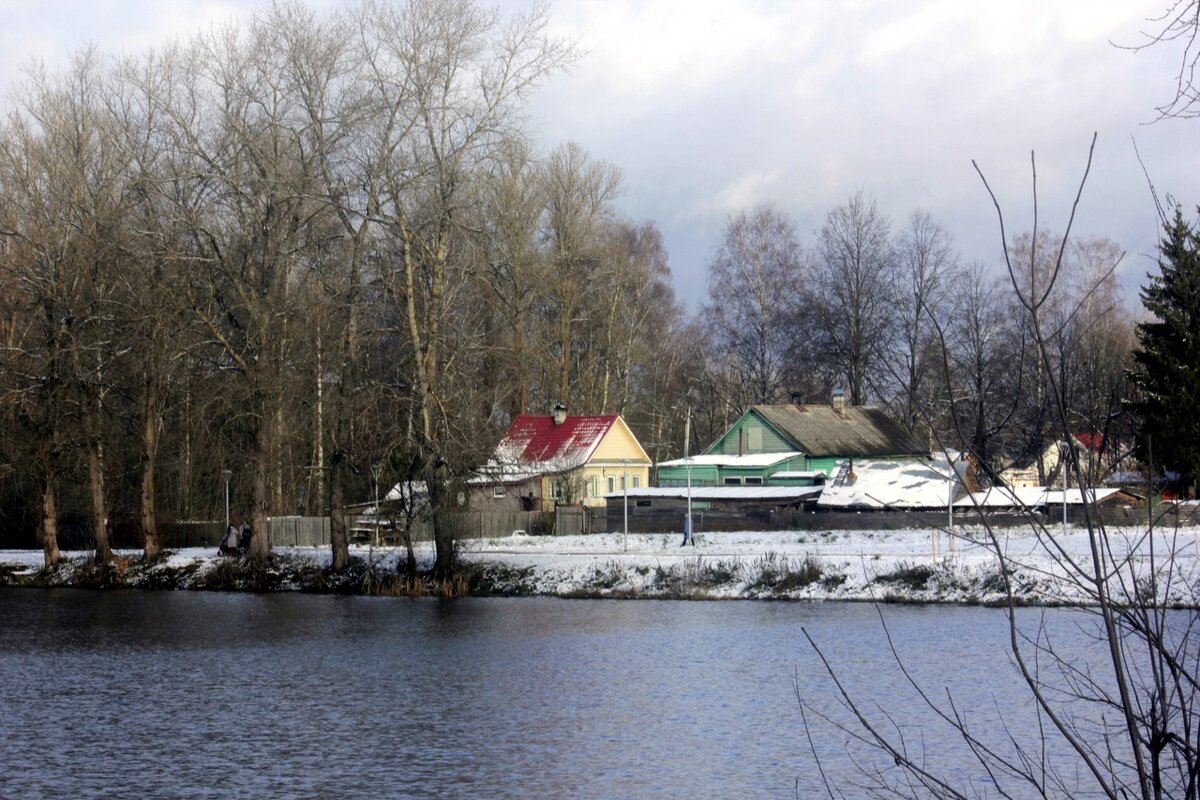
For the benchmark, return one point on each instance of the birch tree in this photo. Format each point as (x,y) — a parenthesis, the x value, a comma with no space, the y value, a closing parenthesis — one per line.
(754,283)
(856,295)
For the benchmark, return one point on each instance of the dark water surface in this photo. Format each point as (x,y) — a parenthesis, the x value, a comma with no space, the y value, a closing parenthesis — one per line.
(207,695)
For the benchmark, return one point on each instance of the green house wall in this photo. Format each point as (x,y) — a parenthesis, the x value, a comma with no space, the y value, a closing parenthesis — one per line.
(708,475)
(758,436)
(755,436)
(826,464)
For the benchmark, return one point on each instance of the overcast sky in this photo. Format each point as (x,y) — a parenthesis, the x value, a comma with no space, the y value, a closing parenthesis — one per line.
(710,107)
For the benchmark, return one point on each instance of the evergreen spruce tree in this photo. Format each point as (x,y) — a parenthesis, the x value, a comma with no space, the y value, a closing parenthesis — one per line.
(1168,357)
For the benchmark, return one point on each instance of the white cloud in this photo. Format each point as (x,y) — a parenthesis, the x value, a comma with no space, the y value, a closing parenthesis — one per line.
(714,105)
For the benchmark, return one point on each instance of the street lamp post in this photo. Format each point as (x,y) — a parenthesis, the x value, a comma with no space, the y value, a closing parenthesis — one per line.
(950,501)
(227,474)
(687,435)
(1062,458)
(625,491)
(376,471)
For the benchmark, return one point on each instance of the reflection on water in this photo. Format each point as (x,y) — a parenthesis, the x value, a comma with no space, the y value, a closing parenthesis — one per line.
(178,694)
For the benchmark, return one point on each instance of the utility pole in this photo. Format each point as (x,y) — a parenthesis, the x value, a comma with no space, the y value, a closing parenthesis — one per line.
(376,471)
(625,491)
(687,436)
(226,474)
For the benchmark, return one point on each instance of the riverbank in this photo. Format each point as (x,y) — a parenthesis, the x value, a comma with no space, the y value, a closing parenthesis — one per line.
(913,565)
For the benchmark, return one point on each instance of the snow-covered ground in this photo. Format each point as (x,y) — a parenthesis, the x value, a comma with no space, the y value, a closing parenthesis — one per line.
(912,565)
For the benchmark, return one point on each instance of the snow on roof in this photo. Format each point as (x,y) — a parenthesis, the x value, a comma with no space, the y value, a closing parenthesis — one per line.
(752,461)
(514,472)
(1032,497)
(798,473)
(764,493)
(535,445)
(898,483)
(414,494)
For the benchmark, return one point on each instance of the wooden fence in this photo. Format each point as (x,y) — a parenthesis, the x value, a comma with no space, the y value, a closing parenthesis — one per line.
(281,532)
(671,520)
(574,521)
(577,521)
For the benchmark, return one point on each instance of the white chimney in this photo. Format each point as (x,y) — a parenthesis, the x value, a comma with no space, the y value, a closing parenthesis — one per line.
(838,401)
(560,413)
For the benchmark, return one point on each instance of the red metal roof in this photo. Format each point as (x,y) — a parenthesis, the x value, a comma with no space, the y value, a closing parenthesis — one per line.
(534,437)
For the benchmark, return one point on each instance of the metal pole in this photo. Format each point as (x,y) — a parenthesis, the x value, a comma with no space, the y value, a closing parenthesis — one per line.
(226,474)
(687,435)
(376,471)
(950,500)
(625,491)
(1063,459)
(950,506)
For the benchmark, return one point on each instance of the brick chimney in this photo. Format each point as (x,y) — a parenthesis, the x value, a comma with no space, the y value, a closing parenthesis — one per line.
(838,401)
(560,413)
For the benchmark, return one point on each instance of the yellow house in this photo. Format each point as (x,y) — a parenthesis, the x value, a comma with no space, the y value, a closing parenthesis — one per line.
(556,459)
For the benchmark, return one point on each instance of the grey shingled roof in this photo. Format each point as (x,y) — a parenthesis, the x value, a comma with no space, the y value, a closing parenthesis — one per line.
(863,431)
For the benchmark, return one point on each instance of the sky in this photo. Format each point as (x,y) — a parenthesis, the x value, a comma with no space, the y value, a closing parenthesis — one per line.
(710,107)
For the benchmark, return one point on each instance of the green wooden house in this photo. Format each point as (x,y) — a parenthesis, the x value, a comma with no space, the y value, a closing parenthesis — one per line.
(822,434)
(756,469)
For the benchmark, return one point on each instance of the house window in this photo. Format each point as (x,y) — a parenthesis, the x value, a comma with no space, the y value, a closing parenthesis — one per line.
(556,490)
(612,484)
(595,486)
(498,491)
(622,483)
(636,480)
(754,481)
(733,481)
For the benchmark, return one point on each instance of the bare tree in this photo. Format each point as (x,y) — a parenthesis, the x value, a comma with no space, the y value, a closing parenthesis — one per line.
(927,270)
(466,70)
(579,191)
(519,274)
(981,370)
(1178,26)
(60,188)
(855,284)
(754,283)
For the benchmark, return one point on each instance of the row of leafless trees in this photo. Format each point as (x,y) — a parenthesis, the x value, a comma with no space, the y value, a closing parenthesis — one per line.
(894,317)
(308,244)
(297,247)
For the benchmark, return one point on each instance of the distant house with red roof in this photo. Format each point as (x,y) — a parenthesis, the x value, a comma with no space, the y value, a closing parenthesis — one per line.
(559,459)
(1096,455)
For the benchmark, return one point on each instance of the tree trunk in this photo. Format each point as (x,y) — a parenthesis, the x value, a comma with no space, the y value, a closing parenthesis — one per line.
(49,522)
(151,546)
(260,547)
(338,536)
(443,532)
(314,497)
(410,560)
(95,461)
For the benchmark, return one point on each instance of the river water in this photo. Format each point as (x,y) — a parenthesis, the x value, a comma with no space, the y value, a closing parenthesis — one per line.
(210,695)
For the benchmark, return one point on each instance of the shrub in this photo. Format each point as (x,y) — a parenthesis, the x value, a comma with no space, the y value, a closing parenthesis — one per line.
(782,575)
(911,576)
